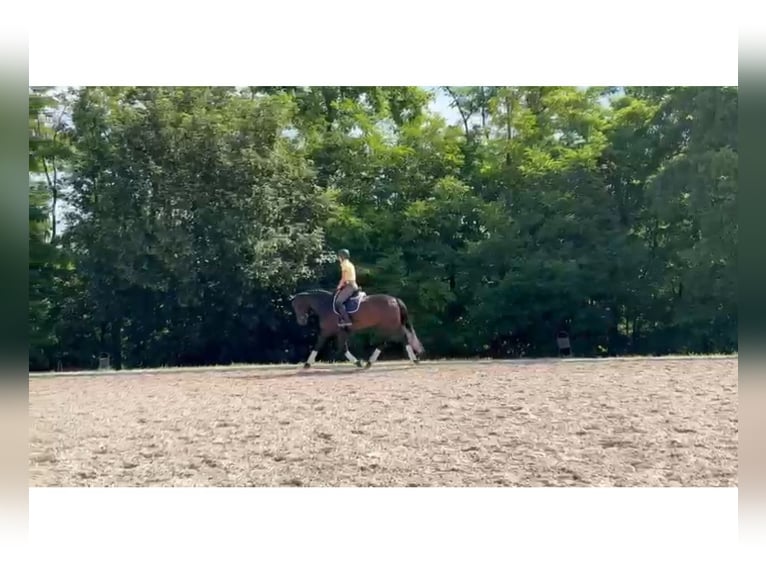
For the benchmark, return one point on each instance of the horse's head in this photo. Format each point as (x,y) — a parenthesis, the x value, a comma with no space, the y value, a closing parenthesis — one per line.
(301,307)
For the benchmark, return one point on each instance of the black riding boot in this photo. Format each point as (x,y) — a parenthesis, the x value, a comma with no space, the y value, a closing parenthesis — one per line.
(345,320)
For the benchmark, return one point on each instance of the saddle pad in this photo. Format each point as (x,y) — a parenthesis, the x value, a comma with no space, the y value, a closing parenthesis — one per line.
(352,304)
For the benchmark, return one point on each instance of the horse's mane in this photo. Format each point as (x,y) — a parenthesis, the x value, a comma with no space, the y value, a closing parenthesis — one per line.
(322,297)
(314,292)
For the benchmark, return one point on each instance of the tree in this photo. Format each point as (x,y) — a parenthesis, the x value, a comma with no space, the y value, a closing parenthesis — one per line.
(48,152)
(193,214)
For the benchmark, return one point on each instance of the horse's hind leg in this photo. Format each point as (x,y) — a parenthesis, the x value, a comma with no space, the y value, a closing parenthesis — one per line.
(343,341)
(375,355)
(410,352)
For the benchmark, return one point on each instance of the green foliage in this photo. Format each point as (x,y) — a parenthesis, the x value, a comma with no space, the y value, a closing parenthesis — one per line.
(194,212)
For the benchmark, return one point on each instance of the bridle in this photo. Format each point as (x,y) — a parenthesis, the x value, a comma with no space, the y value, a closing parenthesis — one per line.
(303,318)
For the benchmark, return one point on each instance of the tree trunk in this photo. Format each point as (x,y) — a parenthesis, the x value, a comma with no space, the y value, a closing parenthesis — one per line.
(509,128)
(329,109)
(117,343)
(634,335)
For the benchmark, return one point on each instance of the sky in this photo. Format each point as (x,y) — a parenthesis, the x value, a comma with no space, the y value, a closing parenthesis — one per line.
(441,105)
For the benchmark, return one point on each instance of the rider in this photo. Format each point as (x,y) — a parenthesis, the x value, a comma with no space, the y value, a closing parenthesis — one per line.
(347,286)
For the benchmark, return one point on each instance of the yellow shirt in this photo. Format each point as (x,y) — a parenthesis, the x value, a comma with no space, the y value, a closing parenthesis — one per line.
(348,272)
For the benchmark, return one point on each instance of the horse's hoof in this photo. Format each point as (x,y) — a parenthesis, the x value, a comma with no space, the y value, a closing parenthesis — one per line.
(359,364)
(306,365)
(368,365)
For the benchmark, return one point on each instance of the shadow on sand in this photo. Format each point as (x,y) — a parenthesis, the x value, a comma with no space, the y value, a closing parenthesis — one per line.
(324,371)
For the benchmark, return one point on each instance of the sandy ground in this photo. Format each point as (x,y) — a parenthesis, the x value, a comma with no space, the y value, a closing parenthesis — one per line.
(669,422)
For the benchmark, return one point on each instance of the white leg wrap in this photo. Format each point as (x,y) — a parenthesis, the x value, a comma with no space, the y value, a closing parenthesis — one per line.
(375,355)
(312,358)
(411,353)
(350,357)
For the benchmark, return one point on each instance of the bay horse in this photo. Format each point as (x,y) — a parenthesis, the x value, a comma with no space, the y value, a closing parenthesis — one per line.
(384,314)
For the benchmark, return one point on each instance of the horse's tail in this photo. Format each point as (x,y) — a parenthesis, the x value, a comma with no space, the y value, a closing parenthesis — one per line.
(409,330)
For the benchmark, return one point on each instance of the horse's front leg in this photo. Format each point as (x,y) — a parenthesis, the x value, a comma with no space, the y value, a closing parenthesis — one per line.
(317,347)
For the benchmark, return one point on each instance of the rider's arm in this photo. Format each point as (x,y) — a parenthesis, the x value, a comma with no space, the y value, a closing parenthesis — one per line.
(342,281)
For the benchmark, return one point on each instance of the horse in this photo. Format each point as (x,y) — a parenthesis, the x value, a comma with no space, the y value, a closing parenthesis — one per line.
(385,314)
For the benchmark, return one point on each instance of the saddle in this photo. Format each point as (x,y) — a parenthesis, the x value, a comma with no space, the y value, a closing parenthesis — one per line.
(352,304)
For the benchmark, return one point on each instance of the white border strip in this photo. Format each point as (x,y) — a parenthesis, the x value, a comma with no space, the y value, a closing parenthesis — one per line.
(383,530)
